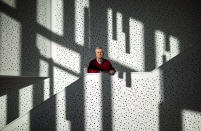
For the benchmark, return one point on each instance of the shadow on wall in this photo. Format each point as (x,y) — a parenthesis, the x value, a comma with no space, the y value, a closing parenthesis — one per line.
(173,18)
(176,18)
(25,91)
(12,86)
(75,105)
(182,89)
(43,117)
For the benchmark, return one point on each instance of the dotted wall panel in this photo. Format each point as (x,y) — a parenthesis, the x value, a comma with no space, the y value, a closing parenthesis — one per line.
(24,48)
(67,56)
(19,95)
(155,100)
(181,91)
(142,36)
(10,46)
(88,102)
(136,36)
(166,99)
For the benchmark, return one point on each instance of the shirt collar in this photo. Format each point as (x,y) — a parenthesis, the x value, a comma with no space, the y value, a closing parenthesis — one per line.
(99,60)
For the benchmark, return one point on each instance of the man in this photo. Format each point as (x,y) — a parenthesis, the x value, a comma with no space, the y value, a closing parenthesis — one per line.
(99,64)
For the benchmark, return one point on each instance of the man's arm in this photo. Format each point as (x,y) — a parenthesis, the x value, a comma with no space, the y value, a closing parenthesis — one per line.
(112,70)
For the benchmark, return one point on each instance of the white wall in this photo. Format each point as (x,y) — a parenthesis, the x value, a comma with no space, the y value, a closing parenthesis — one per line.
(21,44)
(46,47)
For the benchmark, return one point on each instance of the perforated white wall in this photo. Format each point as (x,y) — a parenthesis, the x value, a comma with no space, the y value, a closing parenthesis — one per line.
(136,104)
(52,43)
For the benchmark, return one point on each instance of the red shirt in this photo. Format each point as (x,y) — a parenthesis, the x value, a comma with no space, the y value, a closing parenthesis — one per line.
(95,67)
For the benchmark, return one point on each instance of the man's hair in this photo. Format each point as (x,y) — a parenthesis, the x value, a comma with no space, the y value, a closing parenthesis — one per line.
(98,48)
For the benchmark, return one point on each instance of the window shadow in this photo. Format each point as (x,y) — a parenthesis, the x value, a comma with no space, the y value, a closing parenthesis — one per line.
(182,83)
(10,86)
(164,16)
(75,105)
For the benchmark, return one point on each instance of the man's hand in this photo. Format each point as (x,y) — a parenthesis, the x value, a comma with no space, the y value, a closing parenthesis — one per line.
(111,72)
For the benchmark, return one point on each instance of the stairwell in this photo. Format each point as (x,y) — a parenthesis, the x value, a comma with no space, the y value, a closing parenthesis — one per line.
(167,98)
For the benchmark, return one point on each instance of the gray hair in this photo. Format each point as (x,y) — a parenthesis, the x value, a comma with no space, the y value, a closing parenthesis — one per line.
(98,48)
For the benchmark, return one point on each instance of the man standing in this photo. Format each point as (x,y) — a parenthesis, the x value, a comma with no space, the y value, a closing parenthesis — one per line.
(99,64)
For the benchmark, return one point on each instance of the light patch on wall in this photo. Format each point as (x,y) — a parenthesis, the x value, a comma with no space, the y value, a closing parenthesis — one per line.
(174,46)
(22,124)
(159,74)
(191,120)
(159,86)
(67,58)
(57,17)
(159,46)
(166,47)
(11,3)
(10,46)
(80,6)
(62,79)
(136,108)
(61,122)
(3,111)
(44,68)
(46,89)
(93,101)
(69,62)
(117,48)
(44,46)
(25,99)
(44,13)
(137,43)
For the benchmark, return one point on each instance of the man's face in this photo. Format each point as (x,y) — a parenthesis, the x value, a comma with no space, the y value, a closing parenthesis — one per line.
(99,53)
